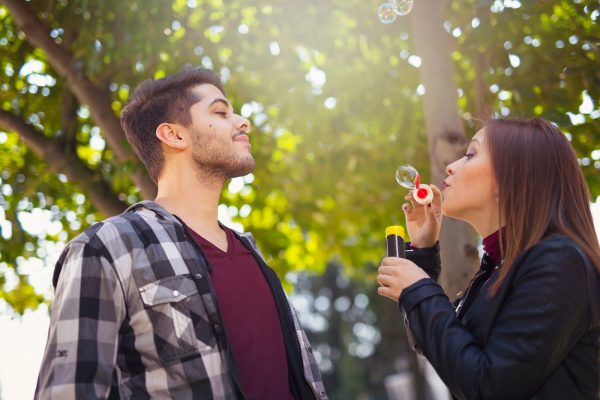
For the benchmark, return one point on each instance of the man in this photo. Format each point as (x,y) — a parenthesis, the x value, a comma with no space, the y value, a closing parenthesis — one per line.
(162,301)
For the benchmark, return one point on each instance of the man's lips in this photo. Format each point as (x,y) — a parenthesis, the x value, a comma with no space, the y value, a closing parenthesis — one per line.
(241,137)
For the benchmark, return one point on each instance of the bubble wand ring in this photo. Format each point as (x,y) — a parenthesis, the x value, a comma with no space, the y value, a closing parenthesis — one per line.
(408,177)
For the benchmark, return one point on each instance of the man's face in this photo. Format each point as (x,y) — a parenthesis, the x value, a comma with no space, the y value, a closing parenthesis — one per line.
(220,143)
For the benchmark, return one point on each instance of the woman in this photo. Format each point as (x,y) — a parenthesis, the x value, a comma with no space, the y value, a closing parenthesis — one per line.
(528,326)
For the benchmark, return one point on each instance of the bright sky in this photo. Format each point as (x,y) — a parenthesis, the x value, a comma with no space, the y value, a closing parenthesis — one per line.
(22,344)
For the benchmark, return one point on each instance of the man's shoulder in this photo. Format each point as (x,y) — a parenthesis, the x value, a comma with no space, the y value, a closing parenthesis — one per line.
(116,226)
(114,237)
(137,219)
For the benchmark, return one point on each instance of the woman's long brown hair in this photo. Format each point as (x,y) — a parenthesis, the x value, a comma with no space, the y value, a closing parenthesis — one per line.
(541,188)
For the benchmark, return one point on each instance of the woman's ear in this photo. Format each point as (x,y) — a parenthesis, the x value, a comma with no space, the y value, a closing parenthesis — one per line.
(171,135)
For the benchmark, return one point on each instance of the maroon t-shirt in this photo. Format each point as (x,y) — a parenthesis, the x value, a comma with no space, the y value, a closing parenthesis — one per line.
(250,318)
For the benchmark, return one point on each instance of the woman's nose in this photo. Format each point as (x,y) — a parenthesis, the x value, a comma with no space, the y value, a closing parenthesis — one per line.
(450,170)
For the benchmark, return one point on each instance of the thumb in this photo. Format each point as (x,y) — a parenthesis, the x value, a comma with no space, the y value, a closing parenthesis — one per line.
(437,195)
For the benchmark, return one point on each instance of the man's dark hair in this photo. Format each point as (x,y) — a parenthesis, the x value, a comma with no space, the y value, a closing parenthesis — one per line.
(157,101)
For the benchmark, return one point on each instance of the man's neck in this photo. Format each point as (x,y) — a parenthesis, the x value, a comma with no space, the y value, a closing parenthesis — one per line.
(194,201)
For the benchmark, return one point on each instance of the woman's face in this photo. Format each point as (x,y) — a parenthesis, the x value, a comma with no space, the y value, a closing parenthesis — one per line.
(469,191)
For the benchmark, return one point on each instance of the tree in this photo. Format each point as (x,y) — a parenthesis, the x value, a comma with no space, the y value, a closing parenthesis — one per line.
(340,142)
(334,97)
(446,135)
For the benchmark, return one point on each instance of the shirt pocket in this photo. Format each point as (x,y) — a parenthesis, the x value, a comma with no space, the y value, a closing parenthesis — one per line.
(180,324)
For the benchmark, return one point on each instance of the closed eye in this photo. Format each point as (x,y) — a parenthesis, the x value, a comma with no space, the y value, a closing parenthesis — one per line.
(222,114)
(469,155)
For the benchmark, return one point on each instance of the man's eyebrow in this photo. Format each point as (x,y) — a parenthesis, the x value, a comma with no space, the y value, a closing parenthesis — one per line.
(195,98)
(219,100)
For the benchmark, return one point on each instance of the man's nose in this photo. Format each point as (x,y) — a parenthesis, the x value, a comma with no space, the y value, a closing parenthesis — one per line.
(242,124)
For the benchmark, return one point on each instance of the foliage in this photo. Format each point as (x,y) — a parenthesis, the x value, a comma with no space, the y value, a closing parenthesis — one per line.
(333,95)
(541,58)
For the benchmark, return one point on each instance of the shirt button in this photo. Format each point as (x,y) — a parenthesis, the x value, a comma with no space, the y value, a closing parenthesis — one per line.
(175,293)
(198,276)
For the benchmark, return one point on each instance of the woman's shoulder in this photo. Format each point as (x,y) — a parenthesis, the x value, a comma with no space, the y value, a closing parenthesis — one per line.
(556,253)
(558,241)
(558,268)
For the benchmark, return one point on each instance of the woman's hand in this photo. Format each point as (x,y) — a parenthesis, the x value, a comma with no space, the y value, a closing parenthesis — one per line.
(396,274)
(424,221)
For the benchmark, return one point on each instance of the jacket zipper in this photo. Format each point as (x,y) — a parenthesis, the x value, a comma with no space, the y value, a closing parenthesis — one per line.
(474,282)
(462,301)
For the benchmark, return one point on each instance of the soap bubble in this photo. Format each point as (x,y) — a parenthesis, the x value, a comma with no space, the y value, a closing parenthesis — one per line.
(406,175)
(402,7)
(387,13)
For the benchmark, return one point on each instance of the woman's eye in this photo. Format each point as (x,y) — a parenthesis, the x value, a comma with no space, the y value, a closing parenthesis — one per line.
(222,113)
(469,155)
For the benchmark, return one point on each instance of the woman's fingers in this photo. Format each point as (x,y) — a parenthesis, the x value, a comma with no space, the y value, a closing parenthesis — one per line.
(385,280)
(395,274)
(386,292)
(436,209)
(410,200)
(389,263)
(437,195)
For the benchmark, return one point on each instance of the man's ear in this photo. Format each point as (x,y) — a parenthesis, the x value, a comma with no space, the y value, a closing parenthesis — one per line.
(171,135)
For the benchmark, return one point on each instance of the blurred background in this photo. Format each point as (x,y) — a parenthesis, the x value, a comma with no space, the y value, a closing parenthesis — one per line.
(339,92)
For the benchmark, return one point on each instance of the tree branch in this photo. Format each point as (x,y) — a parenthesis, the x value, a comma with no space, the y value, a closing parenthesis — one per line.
(97,99)
(54,153)
(68,116)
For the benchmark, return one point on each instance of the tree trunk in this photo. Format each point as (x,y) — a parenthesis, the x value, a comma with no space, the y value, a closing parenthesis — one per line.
(54,153)
(445,133)
(97,99)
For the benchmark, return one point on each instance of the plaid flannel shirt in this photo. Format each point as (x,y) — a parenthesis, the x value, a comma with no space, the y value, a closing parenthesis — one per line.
(135,316)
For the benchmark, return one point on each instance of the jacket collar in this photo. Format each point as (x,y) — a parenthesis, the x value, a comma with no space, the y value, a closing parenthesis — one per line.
(154,210)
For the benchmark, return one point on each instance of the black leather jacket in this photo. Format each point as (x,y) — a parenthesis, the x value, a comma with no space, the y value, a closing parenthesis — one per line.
(537,338)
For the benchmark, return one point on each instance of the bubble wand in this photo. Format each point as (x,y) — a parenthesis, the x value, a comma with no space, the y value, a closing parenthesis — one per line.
(407,176)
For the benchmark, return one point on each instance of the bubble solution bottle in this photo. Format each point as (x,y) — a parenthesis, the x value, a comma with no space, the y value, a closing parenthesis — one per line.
(394,240)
